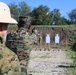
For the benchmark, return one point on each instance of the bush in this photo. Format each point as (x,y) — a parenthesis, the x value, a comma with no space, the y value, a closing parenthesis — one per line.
(72,40)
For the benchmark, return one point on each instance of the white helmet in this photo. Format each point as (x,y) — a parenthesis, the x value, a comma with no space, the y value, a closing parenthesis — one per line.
(5,16)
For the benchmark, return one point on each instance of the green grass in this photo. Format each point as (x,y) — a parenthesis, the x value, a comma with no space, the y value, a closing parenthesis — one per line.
(71,54)
(12,25)
(72,69)
(54,25)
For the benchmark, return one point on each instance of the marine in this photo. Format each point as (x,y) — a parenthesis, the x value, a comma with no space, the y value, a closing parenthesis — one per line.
(9,63)
(23,43)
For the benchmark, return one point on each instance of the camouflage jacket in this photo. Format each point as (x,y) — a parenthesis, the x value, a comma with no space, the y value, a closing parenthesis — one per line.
(24,39)
(9,63)
(21,41)
(24,42)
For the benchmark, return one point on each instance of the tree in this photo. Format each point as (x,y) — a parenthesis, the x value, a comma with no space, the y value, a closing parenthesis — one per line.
(57,19)
(56,16)
(72,40)
(72,16)
(24,9)
(14,10)
(41,15)
(65,21)
(20,9)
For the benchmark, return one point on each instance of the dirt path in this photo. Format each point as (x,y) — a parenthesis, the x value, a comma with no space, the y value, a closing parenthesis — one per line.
(51,62)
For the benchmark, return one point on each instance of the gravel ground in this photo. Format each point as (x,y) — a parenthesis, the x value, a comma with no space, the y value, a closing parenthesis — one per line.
(48,62)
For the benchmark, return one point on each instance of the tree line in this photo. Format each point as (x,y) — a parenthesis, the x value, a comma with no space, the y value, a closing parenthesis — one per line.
(42,15)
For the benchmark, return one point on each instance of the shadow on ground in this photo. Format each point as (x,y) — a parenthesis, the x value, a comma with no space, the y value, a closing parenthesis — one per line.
(63,66)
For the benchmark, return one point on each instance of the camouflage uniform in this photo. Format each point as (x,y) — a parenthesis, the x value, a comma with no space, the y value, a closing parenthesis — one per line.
(23,43)
(39,39)
(35,38)
(10,41)
(9,63)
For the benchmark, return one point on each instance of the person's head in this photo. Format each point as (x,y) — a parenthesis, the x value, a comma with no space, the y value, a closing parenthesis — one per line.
(34,30)
(24,22)
(5,18)
(21,23)
(26,19)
